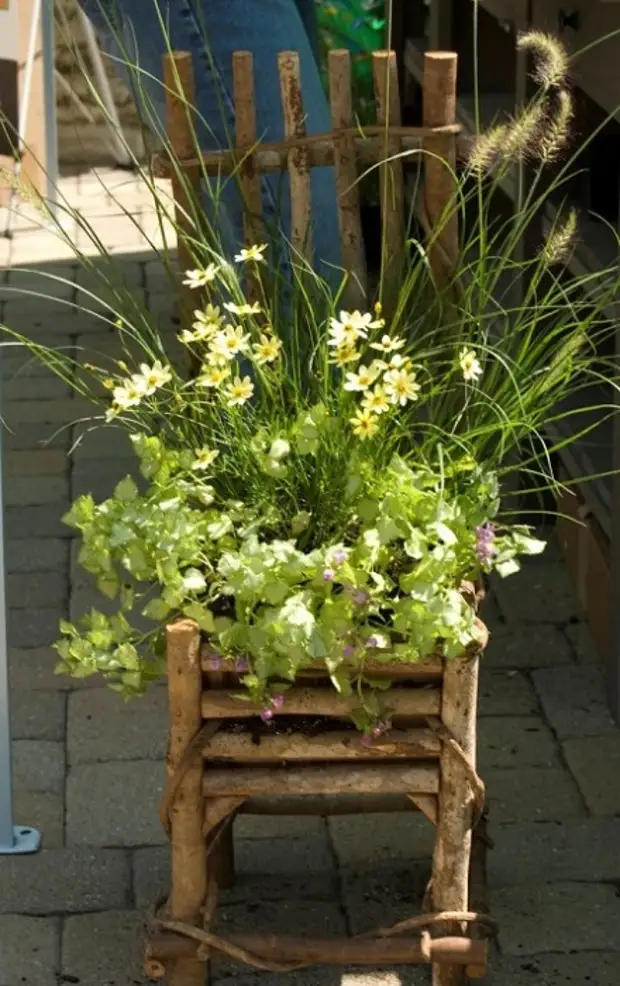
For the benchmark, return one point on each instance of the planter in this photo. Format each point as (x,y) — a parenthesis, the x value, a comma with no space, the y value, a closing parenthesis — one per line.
(309,758)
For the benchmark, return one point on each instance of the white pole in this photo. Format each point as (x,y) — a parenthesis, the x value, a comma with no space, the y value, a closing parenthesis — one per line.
(49,103)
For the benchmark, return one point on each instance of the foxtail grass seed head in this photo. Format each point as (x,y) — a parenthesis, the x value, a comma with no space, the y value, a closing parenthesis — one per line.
(523,135)
(555,131)
(560,241)
(549,55)
(486,149)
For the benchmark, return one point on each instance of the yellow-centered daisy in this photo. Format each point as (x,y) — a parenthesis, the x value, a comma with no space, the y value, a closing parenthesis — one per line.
(376,401)
(470,365)
(239,391)
(401,386)
(365,424)
(267,350)
(205,457)
(363,379)
(251,253)
(213,376)
(202,276)
(252,309)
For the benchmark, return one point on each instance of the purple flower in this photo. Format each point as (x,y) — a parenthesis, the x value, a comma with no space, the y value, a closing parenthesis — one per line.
(267,714)
(366,740)
(277,701)
(216,664)
(348,650)
(360,597)
(381,727)
(485,549)
(241,665)
(328,575)
(339,557)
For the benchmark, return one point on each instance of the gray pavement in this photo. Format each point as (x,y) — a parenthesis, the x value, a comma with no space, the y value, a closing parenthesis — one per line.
(89,772)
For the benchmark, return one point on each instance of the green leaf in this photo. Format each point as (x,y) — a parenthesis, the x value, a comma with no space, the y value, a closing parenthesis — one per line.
(202,615)
(156,609)
(126,490)
(127,655)
(509,567)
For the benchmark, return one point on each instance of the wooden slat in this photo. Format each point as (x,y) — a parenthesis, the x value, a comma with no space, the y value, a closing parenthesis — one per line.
(392,187)
(428,669)
(299,701)
(403,744)
(326,779)
(349,218)
(298,159)
(246,136)
(339,804)
(439,108)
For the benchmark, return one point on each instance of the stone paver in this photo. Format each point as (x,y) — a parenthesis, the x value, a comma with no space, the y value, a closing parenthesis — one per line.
(38,715)
(576,969)
(39,765)
(532,794)
(104,948)
(547,749)
(505,693)
(57,881)
(553,852)
(557,917)
(29,950)
(522,646)
(43,810)
(595,764)
(384,838)
(573,700)
(102,728)
(515,741)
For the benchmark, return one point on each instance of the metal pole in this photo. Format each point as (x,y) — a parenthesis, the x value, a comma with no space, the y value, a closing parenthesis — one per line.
(14,839)
(49,103)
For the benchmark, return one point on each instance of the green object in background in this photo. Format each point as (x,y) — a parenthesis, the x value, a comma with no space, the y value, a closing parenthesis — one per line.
(359,26)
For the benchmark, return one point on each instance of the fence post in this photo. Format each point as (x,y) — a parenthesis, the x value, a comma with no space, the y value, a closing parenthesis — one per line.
(439,109)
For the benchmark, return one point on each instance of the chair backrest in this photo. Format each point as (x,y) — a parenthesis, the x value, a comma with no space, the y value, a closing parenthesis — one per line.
(348,147)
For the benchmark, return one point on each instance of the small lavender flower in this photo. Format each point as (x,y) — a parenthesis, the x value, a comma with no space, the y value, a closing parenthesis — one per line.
(381,727)
(360,597)
(328,575)
(241,665)
(277,701)
(216,664)
(366,740)
(339,557)
(348,650)
(485,549)
(267,714)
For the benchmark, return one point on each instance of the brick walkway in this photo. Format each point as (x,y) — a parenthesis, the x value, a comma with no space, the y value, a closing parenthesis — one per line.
(88,769)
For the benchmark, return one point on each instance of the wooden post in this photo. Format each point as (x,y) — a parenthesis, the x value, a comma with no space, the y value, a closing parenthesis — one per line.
(439,108)
(180,97)
(391,179)
(298,159)
(249,176)
(188,887)
(450,880)
(349,219)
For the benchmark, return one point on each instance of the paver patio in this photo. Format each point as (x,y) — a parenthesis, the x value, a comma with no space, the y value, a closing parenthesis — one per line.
(88,768)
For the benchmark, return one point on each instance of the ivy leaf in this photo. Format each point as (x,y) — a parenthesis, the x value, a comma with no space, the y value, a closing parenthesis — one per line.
(127,655)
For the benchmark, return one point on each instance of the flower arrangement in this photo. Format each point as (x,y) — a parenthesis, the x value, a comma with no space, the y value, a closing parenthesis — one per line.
(305,527)
(323,482)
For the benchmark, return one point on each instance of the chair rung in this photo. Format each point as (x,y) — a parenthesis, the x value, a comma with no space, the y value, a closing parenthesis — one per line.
(405,744)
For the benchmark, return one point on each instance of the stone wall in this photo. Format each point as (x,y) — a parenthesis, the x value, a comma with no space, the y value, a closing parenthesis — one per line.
(80,141)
